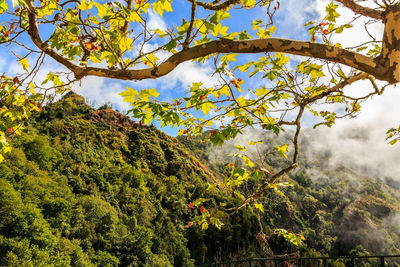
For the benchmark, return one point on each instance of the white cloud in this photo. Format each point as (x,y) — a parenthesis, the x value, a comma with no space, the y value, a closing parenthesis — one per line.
(291,17)
(156,22)
(99,91)
(360,142)
(189,72)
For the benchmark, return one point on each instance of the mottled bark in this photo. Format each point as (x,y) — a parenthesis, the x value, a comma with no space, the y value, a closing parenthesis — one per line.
(331,53)
(365,11)
(390,57)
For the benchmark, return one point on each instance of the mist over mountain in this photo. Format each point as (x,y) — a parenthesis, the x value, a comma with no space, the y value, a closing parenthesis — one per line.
(90,187)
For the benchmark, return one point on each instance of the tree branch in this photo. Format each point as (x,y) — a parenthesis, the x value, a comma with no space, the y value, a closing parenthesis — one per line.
(362,10)
(218,6)
(192,19)
(33,32)
(348,81)
(331,53)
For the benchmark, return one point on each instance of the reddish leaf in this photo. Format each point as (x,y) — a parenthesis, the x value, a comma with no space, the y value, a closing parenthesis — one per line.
(190,205)
(202,209)
(10,130)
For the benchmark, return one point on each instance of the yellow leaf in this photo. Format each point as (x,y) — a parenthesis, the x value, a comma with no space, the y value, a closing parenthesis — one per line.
(6,149)
(84,5)
(162,5)
(249,3)
(259,206)
(153,92)
(129,95)
(95,58)
(24,63)
(219,29)
(206,107)
(125,43)
(248,162)
(282,150)
(255,143)
(32,88)
(134,16)
(150,60)
(102,10)
(225,90)
(204,225)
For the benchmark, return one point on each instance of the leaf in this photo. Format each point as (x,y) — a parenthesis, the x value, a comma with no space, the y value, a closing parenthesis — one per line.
(224,91)
(200,201)
(226,58)
(125,43)
(24,63)
(146,94)
(204,225)
(255,143)
(162,5)
(249,3)
(84,5)
(332,14)
(134,17)
(3,6)
(241,148)
(171,45)
(102,10)
(219,30)
(129,95)
(216,222)
(259,206)
(245,67)
(32,88)
(282,150)
(150,60)
(271,75)
(206,107)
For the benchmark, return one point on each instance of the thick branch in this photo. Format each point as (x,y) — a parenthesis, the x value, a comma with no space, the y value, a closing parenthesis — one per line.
(331,53)
(218,6)
(33,32)
(362,10)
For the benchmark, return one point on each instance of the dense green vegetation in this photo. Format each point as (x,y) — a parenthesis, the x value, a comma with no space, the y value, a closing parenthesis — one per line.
(89,187)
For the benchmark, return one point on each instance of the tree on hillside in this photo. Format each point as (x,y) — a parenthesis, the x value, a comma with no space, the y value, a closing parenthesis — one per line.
(115,39)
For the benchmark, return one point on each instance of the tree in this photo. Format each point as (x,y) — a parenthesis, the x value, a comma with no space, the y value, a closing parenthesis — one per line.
(114,40)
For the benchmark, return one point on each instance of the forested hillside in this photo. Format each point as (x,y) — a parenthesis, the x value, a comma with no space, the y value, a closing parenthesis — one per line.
(90,187)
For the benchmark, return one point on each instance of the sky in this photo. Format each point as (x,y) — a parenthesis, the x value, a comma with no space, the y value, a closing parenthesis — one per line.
(343,139)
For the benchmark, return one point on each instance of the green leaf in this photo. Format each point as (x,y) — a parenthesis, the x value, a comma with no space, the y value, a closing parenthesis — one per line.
(332,14)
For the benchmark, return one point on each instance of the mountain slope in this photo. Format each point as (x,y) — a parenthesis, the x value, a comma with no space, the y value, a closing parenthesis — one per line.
(90,187)
(338,210)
